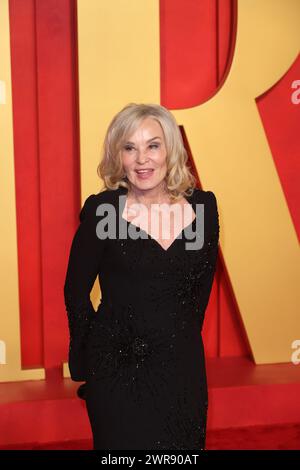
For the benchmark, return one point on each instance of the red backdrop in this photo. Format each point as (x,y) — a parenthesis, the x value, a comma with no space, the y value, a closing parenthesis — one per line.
(197,43)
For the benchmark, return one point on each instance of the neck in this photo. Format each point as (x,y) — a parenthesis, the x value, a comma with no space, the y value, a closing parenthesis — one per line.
(157,195)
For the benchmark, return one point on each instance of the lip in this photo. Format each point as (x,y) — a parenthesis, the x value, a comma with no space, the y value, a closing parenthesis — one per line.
(144,169)
(145,175)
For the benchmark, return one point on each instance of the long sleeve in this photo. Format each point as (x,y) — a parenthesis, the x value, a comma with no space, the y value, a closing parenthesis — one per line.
(211,230)
(83,268)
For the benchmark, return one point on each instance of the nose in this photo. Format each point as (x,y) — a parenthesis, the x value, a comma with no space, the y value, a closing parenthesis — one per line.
(141,156)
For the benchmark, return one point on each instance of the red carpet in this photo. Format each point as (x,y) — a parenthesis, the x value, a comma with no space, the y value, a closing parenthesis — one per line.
(250,407)
(276,437)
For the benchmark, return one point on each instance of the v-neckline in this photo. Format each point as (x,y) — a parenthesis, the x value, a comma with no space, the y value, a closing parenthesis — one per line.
(189,199)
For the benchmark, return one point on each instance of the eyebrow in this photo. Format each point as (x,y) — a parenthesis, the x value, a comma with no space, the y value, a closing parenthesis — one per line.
(152,138)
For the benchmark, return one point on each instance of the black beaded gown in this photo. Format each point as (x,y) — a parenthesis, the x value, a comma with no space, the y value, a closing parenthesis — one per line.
(141,353)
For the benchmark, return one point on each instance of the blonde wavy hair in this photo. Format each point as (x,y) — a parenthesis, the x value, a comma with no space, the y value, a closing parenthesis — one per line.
(179,178)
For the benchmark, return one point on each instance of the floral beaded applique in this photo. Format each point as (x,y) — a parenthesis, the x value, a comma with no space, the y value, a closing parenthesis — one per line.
(129,354)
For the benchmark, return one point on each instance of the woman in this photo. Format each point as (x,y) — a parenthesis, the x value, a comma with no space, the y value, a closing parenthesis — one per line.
(141,354)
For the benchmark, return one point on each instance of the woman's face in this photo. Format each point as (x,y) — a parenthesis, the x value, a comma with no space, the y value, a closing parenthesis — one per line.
(145,149)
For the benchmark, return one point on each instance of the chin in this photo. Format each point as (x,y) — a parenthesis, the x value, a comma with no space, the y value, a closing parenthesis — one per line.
(146,185)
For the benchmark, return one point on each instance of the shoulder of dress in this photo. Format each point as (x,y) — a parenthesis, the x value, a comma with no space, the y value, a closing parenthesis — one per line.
(91,203)
(200,195)
(210,195)
(106,196)
(112,193)
(209,200)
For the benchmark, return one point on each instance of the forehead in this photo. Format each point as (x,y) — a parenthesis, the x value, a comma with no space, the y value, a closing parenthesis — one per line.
(147,129)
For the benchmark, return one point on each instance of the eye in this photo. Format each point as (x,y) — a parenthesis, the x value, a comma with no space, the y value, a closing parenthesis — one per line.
(154,145)
(128,148)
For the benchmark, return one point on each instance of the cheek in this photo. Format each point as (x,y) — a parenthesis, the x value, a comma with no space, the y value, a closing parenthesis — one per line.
(127,160)
(162,160)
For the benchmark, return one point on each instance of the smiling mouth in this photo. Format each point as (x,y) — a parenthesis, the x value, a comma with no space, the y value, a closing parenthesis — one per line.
(148,170)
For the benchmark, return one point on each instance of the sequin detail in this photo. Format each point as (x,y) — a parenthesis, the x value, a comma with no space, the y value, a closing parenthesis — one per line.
(81,316)
(129,355)
(185,429)
(185,282)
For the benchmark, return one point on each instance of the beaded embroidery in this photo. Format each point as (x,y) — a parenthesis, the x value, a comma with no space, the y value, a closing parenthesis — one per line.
(130,354)
(184,430)
(80,318)
(184,282)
